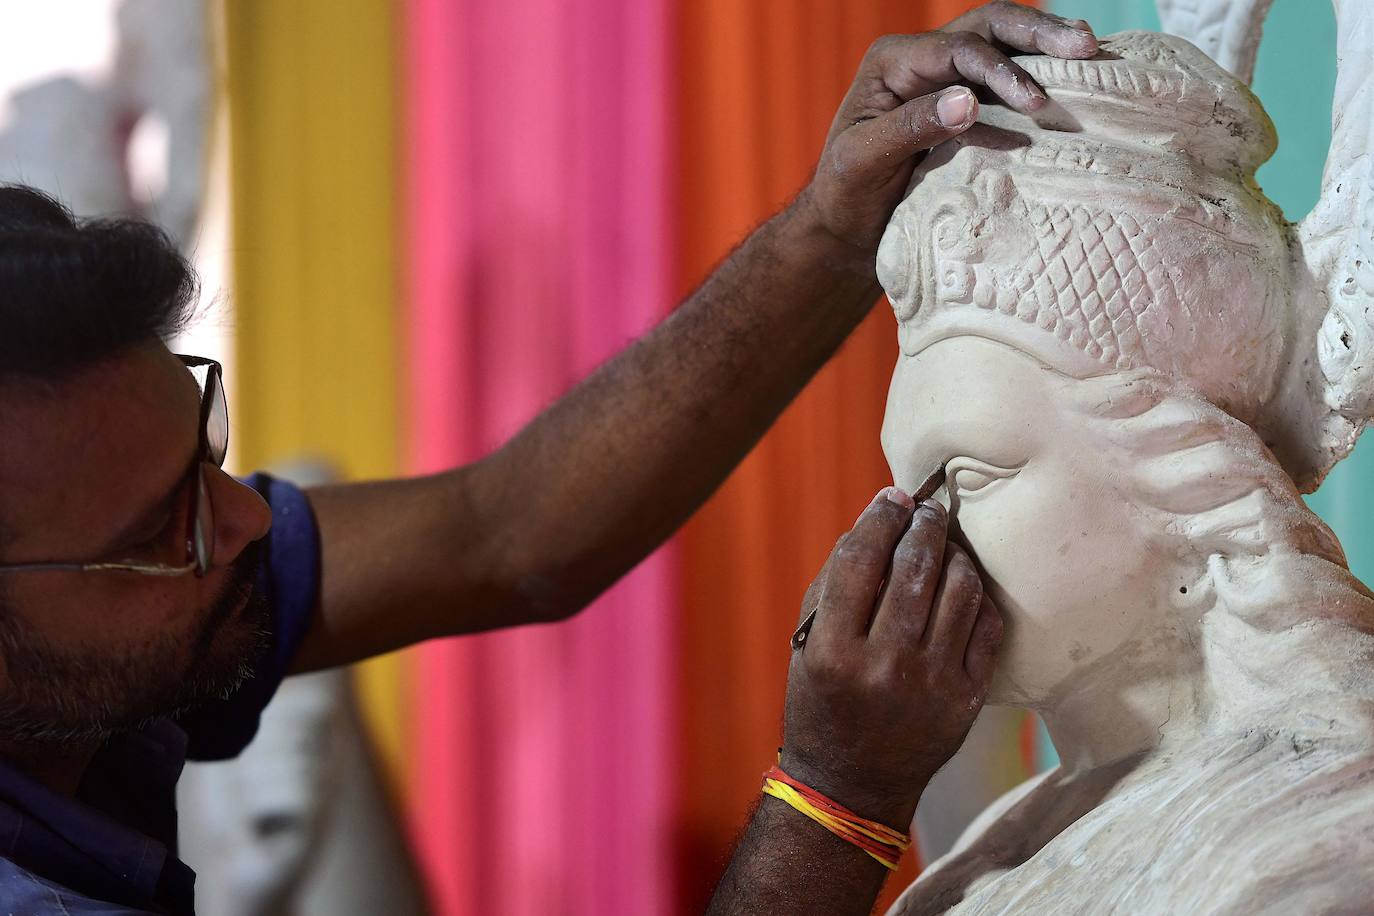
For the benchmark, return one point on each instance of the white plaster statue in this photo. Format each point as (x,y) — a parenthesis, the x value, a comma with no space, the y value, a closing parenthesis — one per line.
(1228,31)
(71,136)
(1131,364)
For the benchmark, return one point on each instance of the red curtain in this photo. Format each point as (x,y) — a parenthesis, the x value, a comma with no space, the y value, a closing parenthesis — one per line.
(757,85)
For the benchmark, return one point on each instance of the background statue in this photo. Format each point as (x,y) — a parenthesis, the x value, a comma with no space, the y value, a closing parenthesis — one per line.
(1113,339)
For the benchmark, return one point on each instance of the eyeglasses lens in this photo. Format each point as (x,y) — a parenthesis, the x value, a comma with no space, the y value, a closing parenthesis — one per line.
(216,419)
(203,532)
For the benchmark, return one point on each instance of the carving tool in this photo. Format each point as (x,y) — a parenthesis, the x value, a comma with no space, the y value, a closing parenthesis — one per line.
(924,492)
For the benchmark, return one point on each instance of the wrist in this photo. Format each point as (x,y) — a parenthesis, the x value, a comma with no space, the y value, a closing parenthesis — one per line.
(804,237)
(869,797)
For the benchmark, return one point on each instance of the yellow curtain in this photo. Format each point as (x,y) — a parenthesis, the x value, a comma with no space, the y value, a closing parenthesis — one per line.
(313,158)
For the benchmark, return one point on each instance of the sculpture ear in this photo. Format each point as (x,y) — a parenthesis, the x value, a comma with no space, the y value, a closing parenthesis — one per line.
(1333,356)
(1227,30)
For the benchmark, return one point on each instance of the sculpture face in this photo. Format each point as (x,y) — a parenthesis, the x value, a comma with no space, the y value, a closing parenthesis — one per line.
(1037,500)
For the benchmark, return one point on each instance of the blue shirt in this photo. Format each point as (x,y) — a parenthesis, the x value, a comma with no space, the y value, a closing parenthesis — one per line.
(112,848)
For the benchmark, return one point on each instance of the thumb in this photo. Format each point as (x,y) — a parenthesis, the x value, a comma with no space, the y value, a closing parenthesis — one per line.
(916,126)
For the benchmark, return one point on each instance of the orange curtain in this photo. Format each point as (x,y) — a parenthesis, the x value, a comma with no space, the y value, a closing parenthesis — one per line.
(758,84)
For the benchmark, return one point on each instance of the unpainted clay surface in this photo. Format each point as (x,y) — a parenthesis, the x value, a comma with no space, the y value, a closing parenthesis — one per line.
(1228,31)
(1131,364)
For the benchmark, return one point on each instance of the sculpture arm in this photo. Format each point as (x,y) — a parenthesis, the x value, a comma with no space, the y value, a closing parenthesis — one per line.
(537,530)
(1335,258)
(1227,30)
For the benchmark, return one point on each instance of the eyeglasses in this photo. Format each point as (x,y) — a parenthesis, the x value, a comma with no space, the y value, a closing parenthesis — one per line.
(200,529)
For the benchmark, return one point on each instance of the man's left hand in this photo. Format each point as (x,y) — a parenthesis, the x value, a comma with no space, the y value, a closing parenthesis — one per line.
(911,94)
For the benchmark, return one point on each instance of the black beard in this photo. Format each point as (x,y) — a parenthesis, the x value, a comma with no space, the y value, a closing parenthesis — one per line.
(57,697)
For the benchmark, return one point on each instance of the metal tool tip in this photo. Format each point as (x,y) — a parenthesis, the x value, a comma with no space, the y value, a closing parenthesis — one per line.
(932,483)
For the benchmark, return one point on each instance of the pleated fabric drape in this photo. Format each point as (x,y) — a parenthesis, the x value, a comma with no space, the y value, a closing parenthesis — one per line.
(312,105)
(537,235)
(566,171)
(757,85)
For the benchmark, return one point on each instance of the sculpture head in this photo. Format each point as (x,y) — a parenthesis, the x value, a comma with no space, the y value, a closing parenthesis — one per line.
(1100,320)
(1120,229)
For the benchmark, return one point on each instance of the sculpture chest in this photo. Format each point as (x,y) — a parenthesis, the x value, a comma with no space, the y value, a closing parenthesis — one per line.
(1268,822)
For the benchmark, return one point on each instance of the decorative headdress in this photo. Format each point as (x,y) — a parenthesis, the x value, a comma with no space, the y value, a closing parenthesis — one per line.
(1121,228)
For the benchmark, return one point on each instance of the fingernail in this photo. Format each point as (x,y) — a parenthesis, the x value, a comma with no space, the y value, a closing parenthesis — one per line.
(1079,25)
(955,107)
(900,497)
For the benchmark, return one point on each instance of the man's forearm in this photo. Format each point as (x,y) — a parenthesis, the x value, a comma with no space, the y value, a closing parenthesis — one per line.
(787,864)
(607,473)
(537,530)
(588,489)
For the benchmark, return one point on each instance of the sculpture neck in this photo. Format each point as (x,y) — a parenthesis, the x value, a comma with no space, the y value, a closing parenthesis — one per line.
(1127,706)
(1295,613)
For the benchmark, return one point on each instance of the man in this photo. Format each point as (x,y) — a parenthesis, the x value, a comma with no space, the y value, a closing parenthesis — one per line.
(146,614)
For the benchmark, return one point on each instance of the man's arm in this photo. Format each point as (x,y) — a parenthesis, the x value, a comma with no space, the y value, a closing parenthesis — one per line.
(881,695)
(535,531)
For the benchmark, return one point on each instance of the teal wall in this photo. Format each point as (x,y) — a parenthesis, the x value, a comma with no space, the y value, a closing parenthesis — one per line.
(1295,78)
(1298,34)
(1109,16)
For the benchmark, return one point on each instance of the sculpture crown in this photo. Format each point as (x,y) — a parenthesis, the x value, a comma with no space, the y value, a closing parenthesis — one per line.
(1118,229)
(1121,228)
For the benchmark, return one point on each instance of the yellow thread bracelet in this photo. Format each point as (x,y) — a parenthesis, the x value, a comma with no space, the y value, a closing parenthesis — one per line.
(883,844)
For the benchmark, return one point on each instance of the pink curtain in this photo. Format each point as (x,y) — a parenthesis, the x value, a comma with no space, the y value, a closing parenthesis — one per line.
(537,139)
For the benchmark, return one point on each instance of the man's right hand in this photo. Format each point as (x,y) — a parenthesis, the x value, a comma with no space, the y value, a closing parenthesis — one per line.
(882,693)
(896,665)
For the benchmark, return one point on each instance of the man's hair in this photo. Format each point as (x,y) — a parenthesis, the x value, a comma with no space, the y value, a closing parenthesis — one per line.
(74,292)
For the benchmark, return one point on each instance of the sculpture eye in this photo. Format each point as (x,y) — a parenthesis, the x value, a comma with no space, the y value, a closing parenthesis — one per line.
(969,477)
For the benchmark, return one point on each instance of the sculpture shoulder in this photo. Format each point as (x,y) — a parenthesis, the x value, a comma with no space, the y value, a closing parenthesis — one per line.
(991,815)
(1310,849)
(931,887)
(1271,827)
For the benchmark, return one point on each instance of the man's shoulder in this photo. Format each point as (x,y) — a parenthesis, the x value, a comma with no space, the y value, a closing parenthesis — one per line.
(21,891)
(289,582)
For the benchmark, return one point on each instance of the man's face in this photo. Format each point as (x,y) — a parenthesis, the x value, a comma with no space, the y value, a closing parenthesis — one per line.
(95,468)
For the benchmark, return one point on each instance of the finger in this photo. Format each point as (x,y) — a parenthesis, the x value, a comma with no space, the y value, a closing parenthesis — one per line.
(877,149)
(910,65)
(857,567)
(955,609)
(983,643)
(981,63)
(1027,29)
(813,592)
(909,594)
